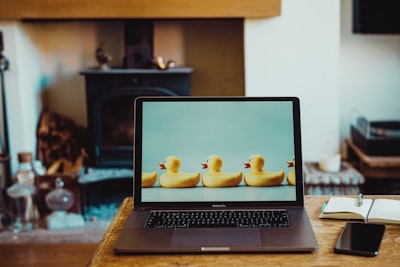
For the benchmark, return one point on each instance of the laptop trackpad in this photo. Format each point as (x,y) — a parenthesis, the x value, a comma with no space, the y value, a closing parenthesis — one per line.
(215,237)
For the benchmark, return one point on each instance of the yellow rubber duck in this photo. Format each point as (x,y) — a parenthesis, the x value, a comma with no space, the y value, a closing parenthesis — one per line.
(173,178)
(148,179)
(291,176)
(215,178)
(259,177)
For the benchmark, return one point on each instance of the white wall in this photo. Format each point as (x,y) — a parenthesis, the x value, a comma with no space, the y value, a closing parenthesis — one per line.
(370,74)
(310,51)
(21,87)
(297,54)
(42,55)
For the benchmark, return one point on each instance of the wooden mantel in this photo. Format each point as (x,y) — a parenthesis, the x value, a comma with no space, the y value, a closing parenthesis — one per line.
(123,9)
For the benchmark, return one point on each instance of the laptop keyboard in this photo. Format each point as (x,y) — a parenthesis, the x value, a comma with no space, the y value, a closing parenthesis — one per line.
(234,219)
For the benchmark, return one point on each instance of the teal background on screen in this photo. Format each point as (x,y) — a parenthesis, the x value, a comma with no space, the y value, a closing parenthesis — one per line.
(233,130)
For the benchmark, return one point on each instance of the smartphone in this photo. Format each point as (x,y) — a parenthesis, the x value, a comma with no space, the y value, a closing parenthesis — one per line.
(360,239)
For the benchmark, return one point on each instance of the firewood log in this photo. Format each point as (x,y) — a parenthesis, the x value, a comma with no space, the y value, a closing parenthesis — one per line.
(61,144)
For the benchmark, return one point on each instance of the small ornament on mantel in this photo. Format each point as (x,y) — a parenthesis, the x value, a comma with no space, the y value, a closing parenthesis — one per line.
(162,65)
(102,57)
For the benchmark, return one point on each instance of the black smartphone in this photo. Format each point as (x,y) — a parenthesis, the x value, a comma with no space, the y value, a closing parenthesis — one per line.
(360,239)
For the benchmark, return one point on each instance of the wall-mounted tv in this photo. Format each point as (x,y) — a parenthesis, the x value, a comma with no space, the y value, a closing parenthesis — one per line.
(376,16)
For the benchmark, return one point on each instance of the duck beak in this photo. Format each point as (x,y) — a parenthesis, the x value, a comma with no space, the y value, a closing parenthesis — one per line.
(246,165)
(162,166)
(290,164)
(204,165)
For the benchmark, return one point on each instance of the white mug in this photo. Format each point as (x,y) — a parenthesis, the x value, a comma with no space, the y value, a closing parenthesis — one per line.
(330,162)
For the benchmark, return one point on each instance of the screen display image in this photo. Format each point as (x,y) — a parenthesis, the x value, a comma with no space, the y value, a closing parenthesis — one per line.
(222,151)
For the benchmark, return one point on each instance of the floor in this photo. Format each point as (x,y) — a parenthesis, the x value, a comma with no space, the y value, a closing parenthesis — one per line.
(86,234)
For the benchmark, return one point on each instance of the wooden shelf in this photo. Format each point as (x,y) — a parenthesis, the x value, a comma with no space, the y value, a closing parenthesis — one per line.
(122,9)
(373,166)
(113,71)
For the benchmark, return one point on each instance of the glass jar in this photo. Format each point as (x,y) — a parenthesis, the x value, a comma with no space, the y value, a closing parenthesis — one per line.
(23,193)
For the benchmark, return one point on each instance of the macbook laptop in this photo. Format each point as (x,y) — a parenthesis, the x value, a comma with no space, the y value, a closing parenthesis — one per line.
(217,174)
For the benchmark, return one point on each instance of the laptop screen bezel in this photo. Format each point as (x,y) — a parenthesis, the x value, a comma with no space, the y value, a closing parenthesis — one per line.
(137,159)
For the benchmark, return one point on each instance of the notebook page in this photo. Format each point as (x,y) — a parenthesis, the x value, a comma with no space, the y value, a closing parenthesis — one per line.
(347,204)
(387,209)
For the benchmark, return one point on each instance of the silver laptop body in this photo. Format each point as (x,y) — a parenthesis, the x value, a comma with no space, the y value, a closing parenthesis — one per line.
(177,137)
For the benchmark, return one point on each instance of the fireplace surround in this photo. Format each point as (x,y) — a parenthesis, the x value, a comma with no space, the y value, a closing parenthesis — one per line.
(65,11)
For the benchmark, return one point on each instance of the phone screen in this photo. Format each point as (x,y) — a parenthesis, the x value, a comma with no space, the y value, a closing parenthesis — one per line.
(360,239)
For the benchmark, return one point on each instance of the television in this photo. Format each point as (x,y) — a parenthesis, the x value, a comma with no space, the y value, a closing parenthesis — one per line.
(376,17)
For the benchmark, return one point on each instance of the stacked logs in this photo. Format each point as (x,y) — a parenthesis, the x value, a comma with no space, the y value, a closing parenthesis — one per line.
(61,144)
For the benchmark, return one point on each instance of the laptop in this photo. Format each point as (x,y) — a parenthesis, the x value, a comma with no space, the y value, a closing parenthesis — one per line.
(205,169)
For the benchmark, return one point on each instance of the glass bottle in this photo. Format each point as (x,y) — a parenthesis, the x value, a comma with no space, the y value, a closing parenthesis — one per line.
(59,199)
(23,192)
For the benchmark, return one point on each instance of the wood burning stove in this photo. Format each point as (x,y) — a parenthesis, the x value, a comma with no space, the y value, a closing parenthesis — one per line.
(110,95)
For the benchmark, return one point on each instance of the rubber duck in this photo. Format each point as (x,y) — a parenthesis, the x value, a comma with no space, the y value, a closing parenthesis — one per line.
(215,178)
(148,179)
(291,176)
(173,178)
(259,177)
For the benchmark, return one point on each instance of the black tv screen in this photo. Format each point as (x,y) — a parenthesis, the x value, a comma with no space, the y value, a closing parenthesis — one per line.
(376,16)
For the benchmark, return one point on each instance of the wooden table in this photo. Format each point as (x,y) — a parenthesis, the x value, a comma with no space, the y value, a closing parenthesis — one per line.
(326,231)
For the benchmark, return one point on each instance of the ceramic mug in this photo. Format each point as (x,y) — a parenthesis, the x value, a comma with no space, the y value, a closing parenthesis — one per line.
(330,162)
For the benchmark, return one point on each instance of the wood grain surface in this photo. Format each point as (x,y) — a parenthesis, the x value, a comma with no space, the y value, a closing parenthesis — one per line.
(326,230)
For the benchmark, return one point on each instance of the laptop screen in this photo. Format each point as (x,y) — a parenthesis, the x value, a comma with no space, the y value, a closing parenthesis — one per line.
(217,150)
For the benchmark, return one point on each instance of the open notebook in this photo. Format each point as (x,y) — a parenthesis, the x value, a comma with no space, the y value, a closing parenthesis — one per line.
(196,156)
